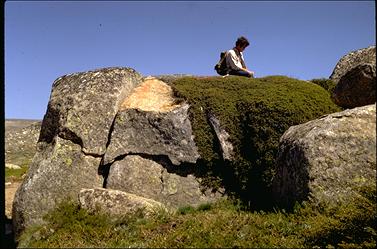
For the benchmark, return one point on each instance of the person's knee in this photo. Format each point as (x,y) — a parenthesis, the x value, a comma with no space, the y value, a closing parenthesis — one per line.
(247,74)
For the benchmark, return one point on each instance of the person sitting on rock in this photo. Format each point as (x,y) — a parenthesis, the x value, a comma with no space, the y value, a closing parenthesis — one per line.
(235,61)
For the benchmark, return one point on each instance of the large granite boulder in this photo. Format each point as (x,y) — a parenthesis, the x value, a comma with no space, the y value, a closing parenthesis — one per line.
(82,106)
(74,135)
(353,59)
(325,160)
(357,87)
(156,178)
(58,171)
(111,128)
(117,203)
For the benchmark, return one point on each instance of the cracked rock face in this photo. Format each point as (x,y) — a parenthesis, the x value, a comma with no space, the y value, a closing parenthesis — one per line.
(82,106)
(155,180)
(324,160)
(150,122)
(153,133)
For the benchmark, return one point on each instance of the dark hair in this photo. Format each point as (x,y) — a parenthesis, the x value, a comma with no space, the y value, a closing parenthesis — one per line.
(242,41)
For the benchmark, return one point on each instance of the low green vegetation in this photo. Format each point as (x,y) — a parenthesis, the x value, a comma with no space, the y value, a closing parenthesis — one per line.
(20,157)
(327,84)
(222,224)
(12,175)
(255,112)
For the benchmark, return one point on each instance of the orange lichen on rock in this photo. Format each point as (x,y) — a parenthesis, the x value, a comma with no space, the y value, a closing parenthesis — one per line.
(151,95)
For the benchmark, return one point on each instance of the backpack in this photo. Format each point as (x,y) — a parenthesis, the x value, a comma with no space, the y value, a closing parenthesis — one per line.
(221,67)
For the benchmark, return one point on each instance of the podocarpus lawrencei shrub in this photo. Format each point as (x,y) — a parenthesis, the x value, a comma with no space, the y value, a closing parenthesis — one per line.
(255,112)
(327,84)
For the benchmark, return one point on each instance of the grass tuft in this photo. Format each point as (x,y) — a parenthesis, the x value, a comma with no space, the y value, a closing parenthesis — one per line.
(15,174)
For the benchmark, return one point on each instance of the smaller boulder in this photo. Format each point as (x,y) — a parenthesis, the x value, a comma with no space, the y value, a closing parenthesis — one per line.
(357,87)
(353,59)
(115,202)
(327,159)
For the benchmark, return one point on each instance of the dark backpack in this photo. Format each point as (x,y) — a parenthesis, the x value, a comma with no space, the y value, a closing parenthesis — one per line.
(221,67)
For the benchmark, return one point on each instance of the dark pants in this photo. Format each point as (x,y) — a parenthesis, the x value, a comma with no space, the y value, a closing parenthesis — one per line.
(240,73)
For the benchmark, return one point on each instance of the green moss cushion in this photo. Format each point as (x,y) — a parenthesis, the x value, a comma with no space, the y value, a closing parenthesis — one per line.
(255,112)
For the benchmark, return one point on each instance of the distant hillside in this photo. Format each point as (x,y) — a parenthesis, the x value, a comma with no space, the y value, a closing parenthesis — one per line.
(21,136)
(15,124)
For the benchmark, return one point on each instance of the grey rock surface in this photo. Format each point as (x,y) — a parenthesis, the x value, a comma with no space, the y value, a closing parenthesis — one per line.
(136,175)
(353,59)
(325,160)
(82,106)
(156,179)
(153,133)
(223,137)
(58,171)
(117,203)
(357,87)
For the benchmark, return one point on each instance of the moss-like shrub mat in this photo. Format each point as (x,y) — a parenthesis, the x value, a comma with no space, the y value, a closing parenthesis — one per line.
(255,112)
(327,84)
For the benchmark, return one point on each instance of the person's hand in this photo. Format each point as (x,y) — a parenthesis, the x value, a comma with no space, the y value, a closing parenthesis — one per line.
(251,72)
(248,71)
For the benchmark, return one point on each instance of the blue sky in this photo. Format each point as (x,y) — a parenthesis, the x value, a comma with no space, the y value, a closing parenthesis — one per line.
(47,39)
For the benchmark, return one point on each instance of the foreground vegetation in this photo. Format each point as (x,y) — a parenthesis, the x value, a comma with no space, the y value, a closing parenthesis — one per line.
(223,224)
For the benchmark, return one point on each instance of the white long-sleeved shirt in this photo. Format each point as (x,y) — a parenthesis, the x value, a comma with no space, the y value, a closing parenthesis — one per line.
(234,61)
